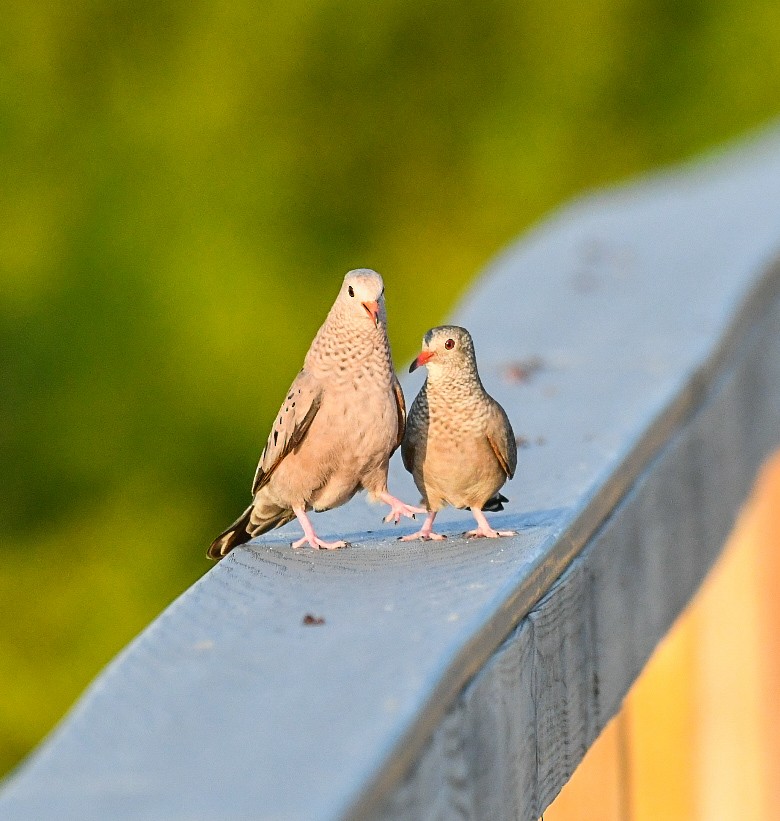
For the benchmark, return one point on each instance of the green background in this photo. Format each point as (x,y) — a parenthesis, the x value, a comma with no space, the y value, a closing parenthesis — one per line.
(182,186)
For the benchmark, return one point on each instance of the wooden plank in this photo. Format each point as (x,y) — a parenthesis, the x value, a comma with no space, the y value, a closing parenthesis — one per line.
(643,566)
(703,718)
(698,736)
(655,405)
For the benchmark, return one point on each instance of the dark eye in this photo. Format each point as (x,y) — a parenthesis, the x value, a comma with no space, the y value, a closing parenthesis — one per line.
(449,344)
(351,291)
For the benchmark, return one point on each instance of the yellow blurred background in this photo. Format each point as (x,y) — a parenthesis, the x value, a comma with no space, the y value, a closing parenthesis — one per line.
(183,185)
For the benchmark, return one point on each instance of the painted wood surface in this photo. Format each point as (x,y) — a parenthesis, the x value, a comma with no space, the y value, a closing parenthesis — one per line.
(698,736)
(467,679)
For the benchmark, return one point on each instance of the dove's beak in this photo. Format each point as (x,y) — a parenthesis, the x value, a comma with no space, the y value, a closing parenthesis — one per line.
(421,360)
(372,308)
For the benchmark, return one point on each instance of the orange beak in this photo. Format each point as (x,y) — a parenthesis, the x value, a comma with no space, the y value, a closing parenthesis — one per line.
(372,308)
(421,360)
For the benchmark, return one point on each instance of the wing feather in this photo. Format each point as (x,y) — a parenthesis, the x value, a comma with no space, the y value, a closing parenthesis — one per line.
(502,439)
(401,406)
(290,426)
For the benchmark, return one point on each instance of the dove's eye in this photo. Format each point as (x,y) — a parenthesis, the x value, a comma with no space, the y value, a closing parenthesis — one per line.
(449,344)
(351,291)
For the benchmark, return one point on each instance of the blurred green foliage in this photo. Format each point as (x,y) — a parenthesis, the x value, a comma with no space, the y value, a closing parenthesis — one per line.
(182,187)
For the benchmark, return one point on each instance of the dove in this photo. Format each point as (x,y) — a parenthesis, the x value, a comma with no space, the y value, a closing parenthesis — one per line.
(459,445)
(340,422)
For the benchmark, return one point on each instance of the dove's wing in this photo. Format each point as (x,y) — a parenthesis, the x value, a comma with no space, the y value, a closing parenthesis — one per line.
(407,454)
(502,439)
(290,426)
(401,405)
(412,432)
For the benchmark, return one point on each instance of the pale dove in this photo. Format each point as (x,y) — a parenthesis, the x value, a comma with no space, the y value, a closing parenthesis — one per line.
(342,419)
(459,445)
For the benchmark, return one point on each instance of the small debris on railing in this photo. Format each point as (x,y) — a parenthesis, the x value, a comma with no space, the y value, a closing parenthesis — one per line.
(522,369)
(309,619)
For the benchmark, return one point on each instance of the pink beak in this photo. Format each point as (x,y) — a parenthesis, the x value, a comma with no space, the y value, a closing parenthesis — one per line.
(421,360)
(373,311)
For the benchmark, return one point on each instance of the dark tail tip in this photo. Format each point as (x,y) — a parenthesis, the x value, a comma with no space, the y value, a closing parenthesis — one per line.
(235,535)
(495,504)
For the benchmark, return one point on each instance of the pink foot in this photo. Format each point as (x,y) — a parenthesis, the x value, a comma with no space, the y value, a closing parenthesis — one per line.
(309,536)
(317,543)
(425,532)
(485,531)
(398,508)
(488,533)
(425,535)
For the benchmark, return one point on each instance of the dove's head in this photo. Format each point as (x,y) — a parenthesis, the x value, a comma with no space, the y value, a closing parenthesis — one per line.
(447,349)
(362,296)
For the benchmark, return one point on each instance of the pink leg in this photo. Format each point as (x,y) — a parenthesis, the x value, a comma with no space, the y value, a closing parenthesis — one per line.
(309,536)
(398,508)
(484,529)
(425,532)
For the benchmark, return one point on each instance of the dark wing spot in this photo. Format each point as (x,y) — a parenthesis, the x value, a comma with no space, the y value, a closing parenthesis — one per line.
(276,435)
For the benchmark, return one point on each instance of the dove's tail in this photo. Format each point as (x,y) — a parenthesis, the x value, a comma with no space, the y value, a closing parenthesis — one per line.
(246,527)
(496,503)
(234,535)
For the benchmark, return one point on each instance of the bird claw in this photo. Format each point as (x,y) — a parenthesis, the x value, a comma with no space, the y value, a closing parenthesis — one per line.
(423,535)
(489,533)
(317,543)
(398,509)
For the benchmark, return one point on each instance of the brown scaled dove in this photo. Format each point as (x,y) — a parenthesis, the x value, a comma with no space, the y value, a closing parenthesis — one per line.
(342,419)
(458,445)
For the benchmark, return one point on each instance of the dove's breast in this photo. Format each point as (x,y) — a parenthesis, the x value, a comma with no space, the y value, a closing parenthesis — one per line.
(453,461)
(368,424)
(349,442)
